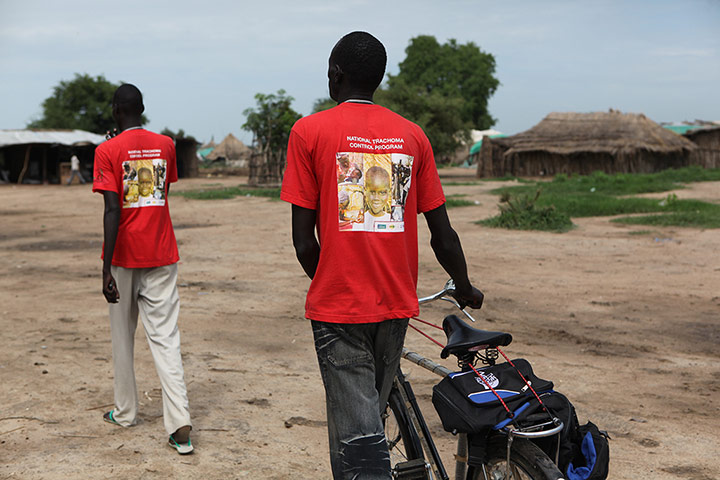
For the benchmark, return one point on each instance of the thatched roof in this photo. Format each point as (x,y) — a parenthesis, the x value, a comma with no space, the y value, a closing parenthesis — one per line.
(702,131)
(610,132)
(230,148)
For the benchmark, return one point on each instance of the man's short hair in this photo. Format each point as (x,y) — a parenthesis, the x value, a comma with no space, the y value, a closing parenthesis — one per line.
(362,57)
(129,99)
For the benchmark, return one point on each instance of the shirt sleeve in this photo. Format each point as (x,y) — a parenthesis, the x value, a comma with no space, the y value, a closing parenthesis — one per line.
(299,186)
(429,189)
(103,174)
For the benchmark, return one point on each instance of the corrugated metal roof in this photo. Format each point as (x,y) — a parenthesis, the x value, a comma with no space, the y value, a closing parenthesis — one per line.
(683,129)
(476,147)
(61,137)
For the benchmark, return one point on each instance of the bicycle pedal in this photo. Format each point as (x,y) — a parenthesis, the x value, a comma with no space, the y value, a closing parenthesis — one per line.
(411,470)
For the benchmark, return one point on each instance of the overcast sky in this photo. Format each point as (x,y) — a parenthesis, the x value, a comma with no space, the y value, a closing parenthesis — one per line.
(199,64)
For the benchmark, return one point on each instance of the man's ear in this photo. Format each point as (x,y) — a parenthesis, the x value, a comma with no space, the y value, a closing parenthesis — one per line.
(337,73)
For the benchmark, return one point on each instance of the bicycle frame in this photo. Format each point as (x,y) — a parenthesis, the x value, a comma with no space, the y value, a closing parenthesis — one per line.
(415,415)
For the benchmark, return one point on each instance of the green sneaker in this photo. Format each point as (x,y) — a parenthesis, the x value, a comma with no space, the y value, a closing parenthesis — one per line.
(182,448)
(108,417)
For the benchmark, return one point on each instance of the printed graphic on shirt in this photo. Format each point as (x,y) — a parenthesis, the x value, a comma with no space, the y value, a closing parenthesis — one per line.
(144,183)
(372,191)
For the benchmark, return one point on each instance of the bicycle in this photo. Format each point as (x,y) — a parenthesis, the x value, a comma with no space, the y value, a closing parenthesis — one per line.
(510,449)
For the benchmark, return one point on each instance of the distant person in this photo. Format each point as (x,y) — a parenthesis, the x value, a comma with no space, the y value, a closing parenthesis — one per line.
(139,271)
(364,281)
(75,169)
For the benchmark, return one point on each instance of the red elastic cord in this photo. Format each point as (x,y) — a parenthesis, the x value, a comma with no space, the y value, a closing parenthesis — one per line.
(426,335)
(427,323)
(492,390)
(521,376)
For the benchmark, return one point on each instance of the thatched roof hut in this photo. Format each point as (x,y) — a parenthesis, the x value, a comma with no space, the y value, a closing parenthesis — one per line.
(707,141)
(581,143)
(231,150)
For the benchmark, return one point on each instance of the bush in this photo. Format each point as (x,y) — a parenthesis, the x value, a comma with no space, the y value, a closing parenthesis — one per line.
(521,213)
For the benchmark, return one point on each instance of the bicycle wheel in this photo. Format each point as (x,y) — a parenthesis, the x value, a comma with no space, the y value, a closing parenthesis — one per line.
(527,462)
(402,439)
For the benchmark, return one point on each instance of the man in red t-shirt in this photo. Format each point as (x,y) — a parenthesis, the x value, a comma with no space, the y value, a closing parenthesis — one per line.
(364,262)
(133,170)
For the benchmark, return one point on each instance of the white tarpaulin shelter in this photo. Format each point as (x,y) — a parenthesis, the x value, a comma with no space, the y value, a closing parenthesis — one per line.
(60,137)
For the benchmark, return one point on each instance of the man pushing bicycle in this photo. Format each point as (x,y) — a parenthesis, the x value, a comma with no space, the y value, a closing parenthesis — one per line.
(364,271)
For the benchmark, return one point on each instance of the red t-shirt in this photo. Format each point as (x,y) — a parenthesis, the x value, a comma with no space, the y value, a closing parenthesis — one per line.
(368,172)
(138,165)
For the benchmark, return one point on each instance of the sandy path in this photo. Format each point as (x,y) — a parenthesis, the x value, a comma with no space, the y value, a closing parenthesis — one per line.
(625,324)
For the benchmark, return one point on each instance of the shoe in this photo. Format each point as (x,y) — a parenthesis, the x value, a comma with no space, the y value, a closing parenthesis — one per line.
(182,448)
(108,417)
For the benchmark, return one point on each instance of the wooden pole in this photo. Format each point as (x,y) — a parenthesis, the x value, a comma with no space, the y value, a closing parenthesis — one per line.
(25,165)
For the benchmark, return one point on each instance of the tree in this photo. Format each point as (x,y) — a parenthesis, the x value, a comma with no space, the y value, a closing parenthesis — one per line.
(453,70)
(83,103)
(444,89)
(270,122)
(323,104)
(179,134)
(439,116)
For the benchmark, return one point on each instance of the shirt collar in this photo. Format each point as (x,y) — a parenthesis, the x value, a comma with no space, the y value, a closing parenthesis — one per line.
(358,100)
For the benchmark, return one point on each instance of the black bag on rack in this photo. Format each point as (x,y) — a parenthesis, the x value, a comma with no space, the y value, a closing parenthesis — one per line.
(466,404)
(584,450)
(593,459)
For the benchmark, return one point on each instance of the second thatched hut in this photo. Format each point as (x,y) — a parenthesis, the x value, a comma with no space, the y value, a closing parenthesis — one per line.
(582,143)
(234,152)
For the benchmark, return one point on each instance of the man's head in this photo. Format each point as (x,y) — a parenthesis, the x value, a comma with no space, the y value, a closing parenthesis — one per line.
(356,66)
(145,182)
(127,105)
(377,190)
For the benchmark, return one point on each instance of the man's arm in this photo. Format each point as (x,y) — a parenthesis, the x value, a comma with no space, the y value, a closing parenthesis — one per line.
(307,248)
(111,223)
(449,253)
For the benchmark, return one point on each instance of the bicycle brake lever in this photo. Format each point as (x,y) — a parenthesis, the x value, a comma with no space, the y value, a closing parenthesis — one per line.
(455,302)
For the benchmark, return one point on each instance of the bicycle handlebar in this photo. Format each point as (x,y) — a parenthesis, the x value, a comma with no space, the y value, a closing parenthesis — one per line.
(448,289)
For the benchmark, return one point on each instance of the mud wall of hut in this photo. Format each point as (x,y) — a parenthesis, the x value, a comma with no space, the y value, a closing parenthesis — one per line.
(707,153)
(495,161)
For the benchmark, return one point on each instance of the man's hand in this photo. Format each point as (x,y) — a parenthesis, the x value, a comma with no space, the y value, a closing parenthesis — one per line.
(472,298)
(110,288)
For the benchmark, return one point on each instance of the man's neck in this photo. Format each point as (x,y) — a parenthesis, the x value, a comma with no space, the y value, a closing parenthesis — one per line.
(355,95)
(128,123)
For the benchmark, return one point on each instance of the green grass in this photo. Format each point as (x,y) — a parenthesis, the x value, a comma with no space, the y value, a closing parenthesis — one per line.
(600,194)
(457,200)
(544,219)
(618,184)
(229,192)
(521,212)
(696,219)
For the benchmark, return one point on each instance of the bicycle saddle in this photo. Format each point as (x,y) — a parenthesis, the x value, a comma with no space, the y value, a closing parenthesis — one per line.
(462,337)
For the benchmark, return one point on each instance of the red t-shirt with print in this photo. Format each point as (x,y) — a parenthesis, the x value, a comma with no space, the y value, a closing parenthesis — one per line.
(367,172)
(138,165)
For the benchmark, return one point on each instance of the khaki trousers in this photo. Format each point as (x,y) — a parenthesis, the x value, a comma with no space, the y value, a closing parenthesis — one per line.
(151,292)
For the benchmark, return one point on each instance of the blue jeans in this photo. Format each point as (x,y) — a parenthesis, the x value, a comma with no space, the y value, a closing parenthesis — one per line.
(358,363)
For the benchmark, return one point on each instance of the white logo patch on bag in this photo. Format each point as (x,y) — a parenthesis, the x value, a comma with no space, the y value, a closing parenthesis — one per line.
(489,378)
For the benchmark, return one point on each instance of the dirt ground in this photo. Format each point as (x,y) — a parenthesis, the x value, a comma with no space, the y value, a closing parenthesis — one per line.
(623,319)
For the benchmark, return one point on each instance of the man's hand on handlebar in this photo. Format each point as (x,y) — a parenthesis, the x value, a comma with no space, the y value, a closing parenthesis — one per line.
(472,298)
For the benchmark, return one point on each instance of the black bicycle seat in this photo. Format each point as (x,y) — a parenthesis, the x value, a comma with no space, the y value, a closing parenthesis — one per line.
(462,337)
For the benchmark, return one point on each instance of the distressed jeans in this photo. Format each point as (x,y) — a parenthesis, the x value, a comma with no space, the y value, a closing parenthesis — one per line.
(358,363)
